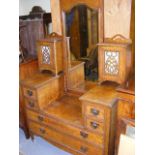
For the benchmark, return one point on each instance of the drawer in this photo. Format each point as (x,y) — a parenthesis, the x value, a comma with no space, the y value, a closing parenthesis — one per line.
(31,103)
(31,115)
(94,111)
(62,139)
(67,129)
(95,125)
(29,93)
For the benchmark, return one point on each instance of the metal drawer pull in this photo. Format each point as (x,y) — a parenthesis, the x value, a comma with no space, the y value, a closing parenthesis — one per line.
(31,104)
(94,125)
(95,112)
(42,130)
(83,134)
(29,92)
(40,118)
(83,149)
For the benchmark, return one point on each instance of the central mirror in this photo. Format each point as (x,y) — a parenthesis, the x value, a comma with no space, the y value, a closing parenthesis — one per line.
(81,26)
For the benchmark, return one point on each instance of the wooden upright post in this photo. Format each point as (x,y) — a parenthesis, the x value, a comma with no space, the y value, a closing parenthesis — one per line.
(56,16)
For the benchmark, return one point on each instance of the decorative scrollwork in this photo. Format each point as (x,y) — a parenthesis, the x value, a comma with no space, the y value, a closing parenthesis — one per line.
(45,54)
(111,62)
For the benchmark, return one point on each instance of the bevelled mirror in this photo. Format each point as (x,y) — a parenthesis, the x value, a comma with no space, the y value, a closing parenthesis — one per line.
(81,26)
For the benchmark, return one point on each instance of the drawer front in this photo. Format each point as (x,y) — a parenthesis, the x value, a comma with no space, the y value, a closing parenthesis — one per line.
(95,111)
(95,125)
(31,103)
(67,129)
(36,117)
(53,135)
(29,93)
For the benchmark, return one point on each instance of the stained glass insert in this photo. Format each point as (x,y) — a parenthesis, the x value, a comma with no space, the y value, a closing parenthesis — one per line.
(111,62)
(45,54)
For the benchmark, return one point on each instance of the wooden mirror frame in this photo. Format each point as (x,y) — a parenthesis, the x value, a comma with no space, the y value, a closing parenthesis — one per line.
(66,7)
(92,4)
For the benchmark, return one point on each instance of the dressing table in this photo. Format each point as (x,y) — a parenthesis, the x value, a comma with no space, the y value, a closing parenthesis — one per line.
(63,107)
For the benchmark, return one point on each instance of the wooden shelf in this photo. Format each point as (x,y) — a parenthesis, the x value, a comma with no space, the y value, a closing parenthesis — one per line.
(67,108)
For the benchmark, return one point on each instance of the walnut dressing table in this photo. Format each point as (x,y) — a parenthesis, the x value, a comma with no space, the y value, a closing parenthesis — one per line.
(78,124)
(71,113)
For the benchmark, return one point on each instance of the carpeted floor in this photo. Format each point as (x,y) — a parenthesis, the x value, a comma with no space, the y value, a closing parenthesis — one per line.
(37,147)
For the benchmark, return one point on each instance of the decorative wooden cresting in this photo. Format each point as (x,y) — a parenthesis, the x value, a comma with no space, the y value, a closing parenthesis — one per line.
(50,53)
(114,59)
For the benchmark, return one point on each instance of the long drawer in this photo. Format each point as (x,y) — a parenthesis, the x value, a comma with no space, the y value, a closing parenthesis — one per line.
(58,137)
(67,129)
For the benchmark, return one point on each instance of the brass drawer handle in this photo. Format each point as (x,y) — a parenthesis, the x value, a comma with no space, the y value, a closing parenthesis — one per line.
(31,104)
(42,130)
(29,92)
(95,112)
(94,125)
(40,118)
(83,149)
(83,134)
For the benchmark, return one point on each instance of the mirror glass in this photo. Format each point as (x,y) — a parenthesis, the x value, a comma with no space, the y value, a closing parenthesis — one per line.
(82,28)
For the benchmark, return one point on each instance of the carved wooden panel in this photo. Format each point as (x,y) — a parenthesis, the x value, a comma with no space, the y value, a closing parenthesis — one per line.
(45,54)
(111,62)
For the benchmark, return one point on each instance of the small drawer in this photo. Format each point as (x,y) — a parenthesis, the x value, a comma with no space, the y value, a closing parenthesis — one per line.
(95,111)
(30,103)
(95,125)
(29,93)
(62,139)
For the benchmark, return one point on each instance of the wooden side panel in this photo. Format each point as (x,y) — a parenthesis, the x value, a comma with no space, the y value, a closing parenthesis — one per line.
(76,76)
(50,92)
(126,109)
(25,71)
(59,57)
(113,122)
(107,131)
(125,113)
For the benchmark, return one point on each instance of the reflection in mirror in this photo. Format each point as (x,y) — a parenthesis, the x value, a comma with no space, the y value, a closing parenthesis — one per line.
(82,28)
